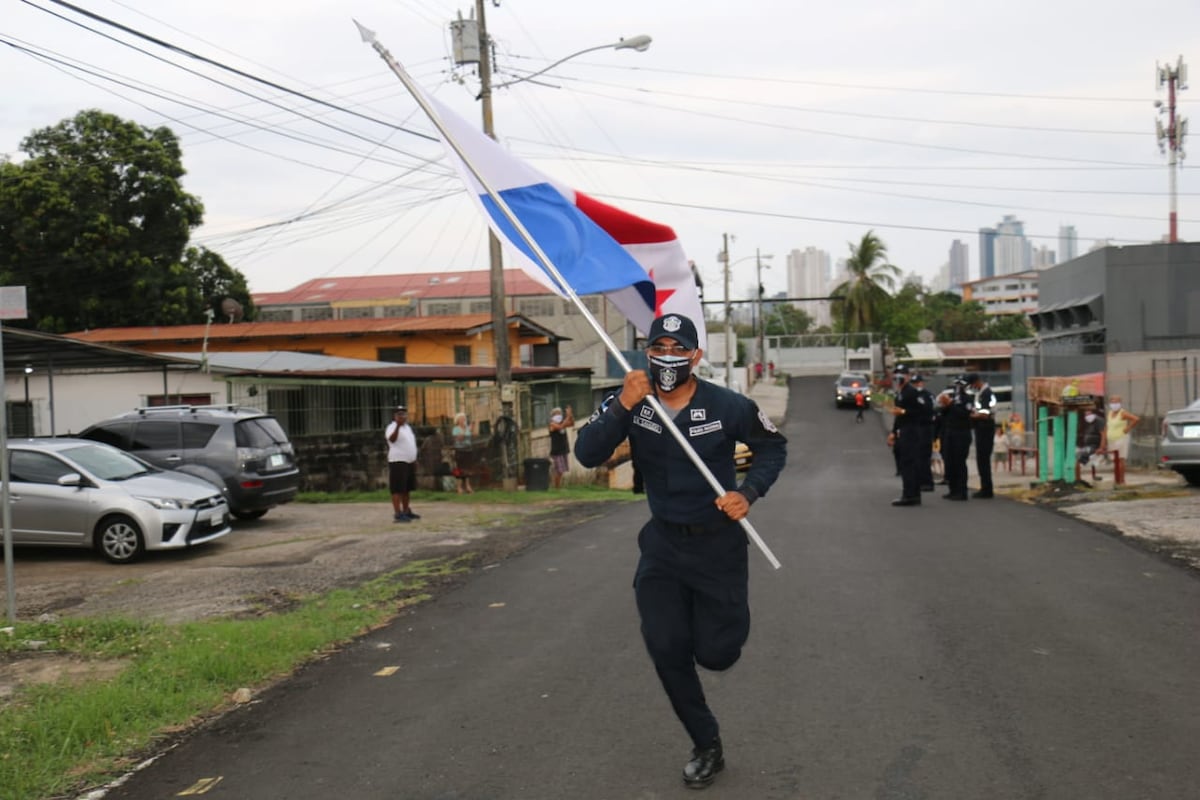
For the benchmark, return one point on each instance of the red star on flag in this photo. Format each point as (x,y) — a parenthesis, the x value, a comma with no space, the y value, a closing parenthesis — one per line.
(660,296)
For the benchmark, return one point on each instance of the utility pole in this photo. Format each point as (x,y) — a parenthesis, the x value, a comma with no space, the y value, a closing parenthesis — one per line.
(762,321)
(473,46)
(1170,138)
(729,346)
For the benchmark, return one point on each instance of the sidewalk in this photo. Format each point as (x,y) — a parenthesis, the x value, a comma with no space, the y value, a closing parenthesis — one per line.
(772,399)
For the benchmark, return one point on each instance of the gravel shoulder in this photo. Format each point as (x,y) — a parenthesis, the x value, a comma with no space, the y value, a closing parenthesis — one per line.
(296,549)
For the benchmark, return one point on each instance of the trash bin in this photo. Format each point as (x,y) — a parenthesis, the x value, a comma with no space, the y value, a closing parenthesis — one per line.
(537,474)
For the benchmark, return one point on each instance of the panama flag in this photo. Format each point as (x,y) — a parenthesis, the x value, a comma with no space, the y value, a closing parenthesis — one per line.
(597,248)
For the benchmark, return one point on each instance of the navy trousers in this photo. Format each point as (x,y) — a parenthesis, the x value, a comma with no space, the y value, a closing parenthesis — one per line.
(908,455)
(691,588)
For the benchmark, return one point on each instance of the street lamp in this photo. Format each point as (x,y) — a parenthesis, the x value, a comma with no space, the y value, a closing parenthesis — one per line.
(638,43)
(762,322)
(730,347)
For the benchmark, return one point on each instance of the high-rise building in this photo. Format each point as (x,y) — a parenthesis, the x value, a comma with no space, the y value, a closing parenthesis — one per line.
(1012,251)
(987,252)
(1043,257)
(808,276)
(960,265)
(1068,242)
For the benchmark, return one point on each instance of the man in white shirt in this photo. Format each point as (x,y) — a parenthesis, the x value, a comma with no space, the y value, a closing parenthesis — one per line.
(402,464)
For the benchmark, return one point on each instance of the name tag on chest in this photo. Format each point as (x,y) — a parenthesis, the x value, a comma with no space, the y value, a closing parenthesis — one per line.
(701,430)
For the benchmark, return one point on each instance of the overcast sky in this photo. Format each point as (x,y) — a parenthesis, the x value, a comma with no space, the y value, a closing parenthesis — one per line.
(784,124)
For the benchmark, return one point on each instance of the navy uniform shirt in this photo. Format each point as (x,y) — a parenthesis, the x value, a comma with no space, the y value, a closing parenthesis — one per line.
(713,421)
(915,408)
(985,403)
(957,415)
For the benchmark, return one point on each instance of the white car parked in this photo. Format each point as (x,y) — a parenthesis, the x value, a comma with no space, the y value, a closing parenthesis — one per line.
(77,493)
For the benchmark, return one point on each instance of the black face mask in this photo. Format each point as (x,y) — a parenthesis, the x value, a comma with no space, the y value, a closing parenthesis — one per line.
(668,372)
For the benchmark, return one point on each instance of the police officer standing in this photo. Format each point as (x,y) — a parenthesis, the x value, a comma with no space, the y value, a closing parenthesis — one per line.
(983,420)
(955,410)
(925,457)
(905,438)
(692,578)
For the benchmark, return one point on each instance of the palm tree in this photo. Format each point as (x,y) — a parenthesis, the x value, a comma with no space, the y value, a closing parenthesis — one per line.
(871,279)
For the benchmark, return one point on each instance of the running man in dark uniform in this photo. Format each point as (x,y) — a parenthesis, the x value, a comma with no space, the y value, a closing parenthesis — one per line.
(691,582)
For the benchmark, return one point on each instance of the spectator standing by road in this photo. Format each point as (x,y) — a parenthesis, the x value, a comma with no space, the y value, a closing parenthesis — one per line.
(1091,436)
(1119,425)
(860,405)
(402,464)
(692,578)
(464,461)
(905,437)
(560,446)
(983,421)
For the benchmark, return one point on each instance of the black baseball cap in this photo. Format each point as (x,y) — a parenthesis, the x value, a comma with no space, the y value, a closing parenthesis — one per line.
(400,408)
(675,326)
(917,378)
(971,377)
(900,369)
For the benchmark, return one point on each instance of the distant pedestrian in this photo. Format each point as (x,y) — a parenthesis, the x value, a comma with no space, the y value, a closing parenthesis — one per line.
(860,404)
(1091,436)
(402,464)
(1120,423)
(560,445)
(770,369)
(464,455)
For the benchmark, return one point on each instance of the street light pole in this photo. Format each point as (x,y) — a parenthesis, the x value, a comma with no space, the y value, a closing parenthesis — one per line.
(762,321)
(728,317)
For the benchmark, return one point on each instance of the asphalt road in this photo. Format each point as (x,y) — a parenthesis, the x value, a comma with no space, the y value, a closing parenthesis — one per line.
(956,650)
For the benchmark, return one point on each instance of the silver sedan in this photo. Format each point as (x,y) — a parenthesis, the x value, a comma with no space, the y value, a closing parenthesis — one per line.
(77,493)
(1180,447)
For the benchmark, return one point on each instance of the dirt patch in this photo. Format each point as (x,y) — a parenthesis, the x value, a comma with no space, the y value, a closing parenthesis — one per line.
(264,567)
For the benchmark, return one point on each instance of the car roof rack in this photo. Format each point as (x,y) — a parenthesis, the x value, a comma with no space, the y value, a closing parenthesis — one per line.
(191,408)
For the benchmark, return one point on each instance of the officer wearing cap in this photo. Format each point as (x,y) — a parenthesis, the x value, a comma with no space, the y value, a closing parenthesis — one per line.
(983,422)
(908,411)
(925,427)
(691,582)
(955,410)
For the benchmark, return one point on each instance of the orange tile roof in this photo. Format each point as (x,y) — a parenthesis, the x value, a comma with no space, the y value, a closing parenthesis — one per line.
(416,286)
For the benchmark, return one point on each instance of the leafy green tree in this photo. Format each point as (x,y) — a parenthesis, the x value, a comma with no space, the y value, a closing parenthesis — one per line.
(1009,326)
(95,223)
(871,278)
(904,315)
(784,319)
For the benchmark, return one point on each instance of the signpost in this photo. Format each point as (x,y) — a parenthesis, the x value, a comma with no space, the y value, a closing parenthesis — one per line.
(12,306)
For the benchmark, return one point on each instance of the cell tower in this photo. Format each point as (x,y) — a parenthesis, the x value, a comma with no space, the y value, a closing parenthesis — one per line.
(1170,137)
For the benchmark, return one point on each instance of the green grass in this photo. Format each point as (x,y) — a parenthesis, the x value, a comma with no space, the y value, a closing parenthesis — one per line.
(58,737)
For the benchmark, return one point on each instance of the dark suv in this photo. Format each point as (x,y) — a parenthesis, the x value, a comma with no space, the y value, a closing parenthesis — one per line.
(242,451)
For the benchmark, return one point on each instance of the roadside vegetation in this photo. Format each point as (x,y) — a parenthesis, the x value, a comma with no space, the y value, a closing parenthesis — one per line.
(159,679)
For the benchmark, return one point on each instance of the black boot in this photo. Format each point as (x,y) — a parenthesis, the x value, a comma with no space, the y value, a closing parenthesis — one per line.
(705,764)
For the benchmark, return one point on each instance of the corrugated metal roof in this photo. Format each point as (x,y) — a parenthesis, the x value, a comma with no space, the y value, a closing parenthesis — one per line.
(243,331)
(401,288)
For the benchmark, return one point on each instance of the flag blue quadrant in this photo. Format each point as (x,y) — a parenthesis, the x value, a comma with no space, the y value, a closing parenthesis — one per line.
(586,256)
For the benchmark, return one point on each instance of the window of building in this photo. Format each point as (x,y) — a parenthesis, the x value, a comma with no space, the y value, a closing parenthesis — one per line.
(462,354)
(397,355)
(443,308)
(313,314)
(409,310)
(274,315)
(480,307)
(591,302)
(537,306)
(359,312)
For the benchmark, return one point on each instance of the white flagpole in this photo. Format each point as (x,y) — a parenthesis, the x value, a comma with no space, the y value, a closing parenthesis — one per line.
(546,264)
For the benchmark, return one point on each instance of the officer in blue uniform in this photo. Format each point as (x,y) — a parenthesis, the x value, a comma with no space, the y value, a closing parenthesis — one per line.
(955,409)
(908,410)
(983,421)
(925,426)
(691,583)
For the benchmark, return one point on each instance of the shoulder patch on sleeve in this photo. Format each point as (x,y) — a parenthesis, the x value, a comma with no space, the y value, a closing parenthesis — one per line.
(766,422)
